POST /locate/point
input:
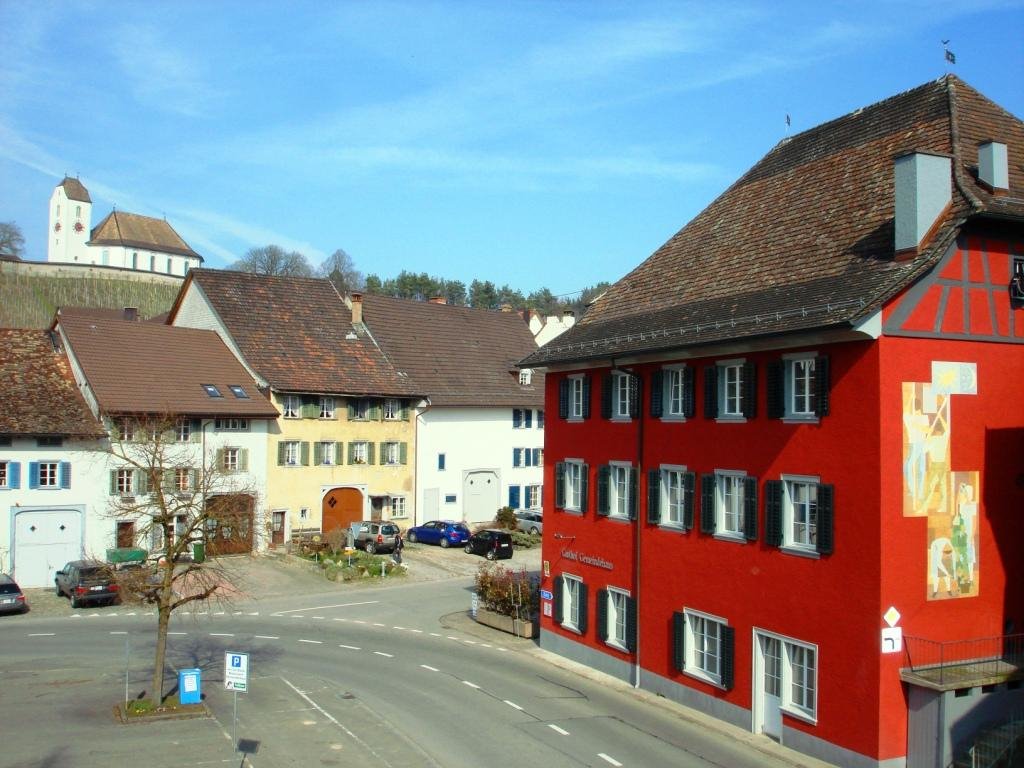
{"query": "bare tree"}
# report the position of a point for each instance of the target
(341, 270)
(172, 492)
(273, 260)
(11, 240)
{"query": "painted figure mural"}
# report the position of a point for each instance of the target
(949, 499)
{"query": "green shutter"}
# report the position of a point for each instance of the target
(657, 393)
(376, 411)
(403, 453)
(607, 381)
(822, 384)
(194, 480)
(633, 387)
(707, 504)
(556, 600)
(654, 496)
(584, 487)
(351, 409)
(318, 454)
(775, 378)
(195, 431)
(634, 493)
(711, 392)
(688, 399)
(310, 408)
(404, 410)
(560, 484)
(688, 500)
(383, 452)
(679, 639)
(602, 615)
(563, 399)
(339, 456)
(141, 482)
(304, 453)
(282, 450)
(603, 477)
(773, 513)
(825, 519)
(370, 458)
(749, 390)
(351, 453)
(750, 508)
(631, 624)
(113, 482)
(586, 396)
(167, 483)
(728, 656)
(582, 626)
(243, 459)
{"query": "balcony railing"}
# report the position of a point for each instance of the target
(963, 663)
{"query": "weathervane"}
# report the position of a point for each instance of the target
(950, 56)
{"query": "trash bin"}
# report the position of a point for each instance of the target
(198, 551)
(190, 688)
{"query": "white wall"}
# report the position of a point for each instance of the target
(68, 244)
(471, 439)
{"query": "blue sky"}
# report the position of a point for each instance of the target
(539, 144)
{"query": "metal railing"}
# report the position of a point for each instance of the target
(949, 662)
(1001, 746)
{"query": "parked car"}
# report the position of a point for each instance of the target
(530, 521)
(87, 581)
(492, 544)
(375, 537)
(12, 599)
(443, 532)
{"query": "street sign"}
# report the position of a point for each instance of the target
(236, 671)
(545, 595)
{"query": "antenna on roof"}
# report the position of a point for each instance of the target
(950, 56)
(789, 122)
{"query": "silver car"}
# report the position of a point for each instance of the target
(375, 537)
(530, 521)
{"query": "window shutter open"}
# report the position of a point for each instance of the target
(33, 475)
(679, 640)
(749, 390)
(633, 382)
(318, 454)
(773, 513)
(688, 483)
(822, 385)
(657, 393)
(193, 479)
(631, 624)
(351, 410)
(602, 615)
(304, 453)
(281, 452)
(606, 395)
(707, 504)
(65, 474)
(403, 453)
(14, 474)
(711, 392)
(517, 457)
(351, 453)
(528, 418)
(654, 496)
(776, 381)
(517, 418)
(586, 396)
(582, 625)
(376, 410)
(310, 407)
(403, 410)
(584, 487)
(634, 493)
(113, 482)
(556, 600)
(560, 485)
(688, 399)
(243, 459)
(370, 457)
(536, 457)
(728, 656)
(195, 431)
(563, 399)
(603, 476)
(219, 459)
(513, 496)
(168, 481)
(141, 484)
(750, 508)
(825, 519)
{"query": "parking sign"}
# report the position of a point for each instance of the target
(236, 671)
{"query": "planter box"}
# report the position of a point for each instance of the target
(507, 623)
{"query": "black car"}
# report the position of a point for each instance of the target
(86, 581)
(492, 544)
(12, 599)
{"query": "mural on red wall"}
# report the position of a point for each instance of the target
(949, 499)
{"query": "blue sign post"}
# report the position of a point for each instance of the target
(190, 687)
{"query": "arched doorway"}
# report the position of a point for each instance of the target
(340, 508)
(480, 495)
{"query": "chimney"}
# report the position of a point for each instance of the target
(437, 300)
(923, 190)
(131, 314)
(506, 307)
(994, 167)
(568, 318)
(357, 308)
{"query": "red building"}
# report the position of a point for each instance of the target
(787, 450)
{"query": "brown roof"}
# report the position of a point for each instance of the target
(457, 355)
(40, 394)
(75, 190)
(158, 369)
(132, 230)
(295, 332)
(805, 238)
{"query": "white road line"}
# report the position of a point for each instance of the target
(322, 607)
(92, 616)
(359, 621)
(611, 760)
(296, 617)
(434, 634)
(378, 624)
(266, 637)
(452, 638)
(132, 613)
(222, 634)
(471, 685)
(469, 642)
(313, 642)
(177, 633)
(237, 613)
(513, 705)
(341, 619)
(254, 613)
(351, 647)
(385, 655)
(432, 669)
(119, 633)
(218, 613)
(202, 613)
(399, 628)
(556, 729)
(41, 634)
(319, 618)
(75, 616)
(417, 631)
(110, 614)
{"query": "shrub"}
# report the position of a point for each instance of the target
(331, 572)
(523, 540)
(509, 593)
(506, 518)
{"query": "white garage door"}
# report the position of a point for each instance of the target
(480, 496)
(44, 540)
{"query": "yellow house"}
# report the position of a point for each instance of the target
(343, 446)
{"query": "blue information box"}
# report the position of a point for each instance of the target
(190, 688)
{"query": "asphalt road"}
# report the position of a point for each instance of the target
(395, 676)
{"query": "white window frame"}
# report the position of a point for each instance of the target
(392, 409)
(620, 396)
(790, 505)
(799, 384)
(4, 474)
(729, 504)
(292, 453)
(52, 474)
(619, 489)
(229, 424)
(795, 675)
(525, 377)
(673, 390)
(398, 507)
(668, 472)
(291, 407)
(328, 453)
(327, 407)
(571, 586)
(576, 397)
(183, 430)
(532, 496)
(573, 485)
(231, 458)
(697, 648)
(182, 479)
(616, 612)
(360, 451)
(391, 453)
(730, 389)
(125, 482)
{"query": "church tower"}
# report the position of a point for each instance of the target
(70, 223)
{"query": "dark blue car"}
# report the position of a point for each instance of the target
(447, 533)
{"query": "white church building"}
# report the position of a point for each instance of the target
(125, 240)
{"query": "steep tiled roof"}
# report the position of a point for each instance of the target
(134, 367)
(75, 190)
(132, 230)
(295, 332)
(39, 392)
(805, 238)
(457, 355)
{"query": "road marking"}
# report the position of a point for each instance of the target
(314, 642)
(471, 685)
(513, 705)
(222, 634)
(351, 647)
(296, 617)
(41, 634)
(611, 760)
(92, 616)
(254, 613)
(218, 613)
(359, 621)
(556, 729)
(469, 642)
(75, 616)
(202, 613)
(385, 655)
(177, 633)
(110, 614)
(132, 613)
(432, 669)
(452, 638)
(417, 631)
(319, 618)
(485, 645)
(341, 619)
(363, 745)
(434, 634)
(378, 624)
(266, 637)
(402, 629)
(322, 607)
(119, 633)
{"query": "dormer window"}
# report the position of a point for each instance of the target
(211, 390)
(238, 392)
(525, 377)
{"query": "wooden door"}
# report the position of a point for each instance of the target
(277, 529)
(125, 535)
(341, 507)
(229, 524)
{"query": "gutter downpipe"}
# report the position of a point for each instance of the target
(639, 524)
